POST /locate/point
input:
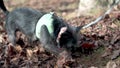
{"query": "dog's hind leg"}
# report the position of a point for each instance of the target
(48, 42)
(11, 37)
(11, 33)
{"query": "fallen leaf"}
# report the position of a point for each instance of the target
(93, 67)
(18, 48)
(63, 58)
(29, 53)
(113, 25)
(108, 51)
(116, 53)
(14, 59)
(111, 64)
(1, 39)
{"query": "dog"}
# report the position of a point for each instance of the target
(54, 35)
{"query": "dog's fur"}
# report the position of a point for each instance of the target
(25, 20)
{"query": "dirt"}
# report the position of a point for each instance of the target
(100, 43)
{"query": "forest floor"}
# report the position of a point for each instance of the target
(101, 42)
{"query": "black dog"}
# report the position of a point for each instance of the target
(26, 19)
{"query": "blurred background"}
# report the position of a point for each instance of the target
(101, 39)
(61, 7)
(65, 8)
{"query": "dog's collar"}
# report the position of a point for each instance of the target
(45, 20)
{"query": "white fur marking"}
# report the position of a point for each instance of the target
(62, 30)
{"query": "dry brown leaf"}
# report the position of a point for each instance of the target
(115, 38)
(66, 66)
(64, 57)
(42, 49)
(93, 67)
(111, 64)
(113, 25)
(18, 48)
(5, 38)
(118, 62)
(1, 39)
(116, 53)
(35, 49)
(108, 51)
(29, 53)
(14, 59)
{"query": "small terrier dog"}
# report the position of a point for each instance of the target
(52, 31)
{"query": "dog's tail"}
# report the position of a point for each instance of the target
(2, 6)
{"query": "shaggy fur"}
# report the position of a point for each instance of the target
(25, 20)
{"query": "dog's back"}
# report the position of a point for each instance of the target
(24, 19)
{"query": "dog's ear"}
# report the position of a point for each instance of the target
(75, 29)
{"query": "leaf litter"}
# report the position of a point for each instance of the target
(101, 41)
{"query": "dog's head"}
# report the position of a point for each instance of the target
(65, 34)
(68, 37)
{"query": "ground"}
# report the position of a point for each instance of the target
(100, 43)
